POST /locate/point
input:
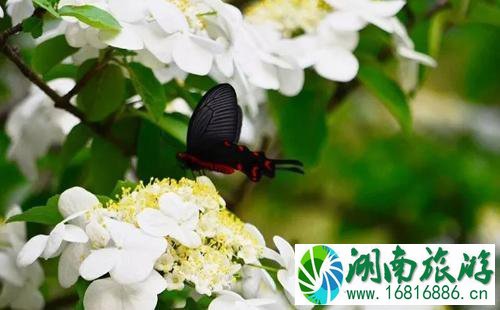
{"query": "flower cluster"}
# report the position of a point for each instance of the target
(268, 47)
(164, 235)
(19, 284)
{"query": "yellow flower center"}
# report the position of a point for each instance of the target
(291, 17)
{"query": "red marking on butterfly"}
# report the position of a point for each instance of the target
(212, 140)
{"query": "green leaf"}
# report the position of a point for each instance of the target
(389, 93)
(61, 71)
(81, 287)
(301, 120)
(92, 16)
(50, 53)
(34, 26)
(48, 214)
(103, 94)
(78, 137)
(149, 88)
(156, 154)
(48, 6)
(107, 166)
(482, 12)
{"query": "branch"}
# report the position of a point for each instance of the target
(438, 7)
(342, 91)
(60, 102)
(89, 75)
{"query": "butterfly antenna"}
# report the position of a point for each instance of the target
(292, 162)
(292, 169)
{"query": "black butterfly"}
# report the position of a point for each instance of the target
(212, 140)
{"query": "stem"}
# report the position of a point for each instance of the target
(268, 268)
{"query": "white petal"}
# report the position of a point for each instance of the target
(287, 281)
(286, 250)
(225, 300)
(158, 44)
(54, 242)
(155, 283)
(155, 222)
(127, 38)
(69, 263)
(384, 8)
(98, 263)
(74, 233)
(132, 267)
(337, 64)
(108, 294)
(291, 81)
(28, 298)
(170, 204)
(256, 233)
(273, 255)
(188, 238)
(345, 21)
(418, 57)
(130, 11)
(75, 36)
(20, 10)
(35, 275)
(32, 250)
(170, 18)
(262, 75)
(9, 271)
(16, 231)
(208, 44)
(381, 22)
(75, 200)
(98, 235)
(192, 58)
(8, 293)
(225, 64)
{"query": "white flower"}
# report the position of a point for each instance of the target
(35, 125)
(231, 300)
(354, 15)
(19, 10)
(175, 218)
(286, 258)
(19, 285)
(1, 12)
(109, 294)
(77, 200)
(406, 47)
(192, 52)
(48, 246)
(130, 260)
(12, 234)
(256, 282)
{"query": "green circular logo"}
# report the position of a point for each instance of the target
(320, 274)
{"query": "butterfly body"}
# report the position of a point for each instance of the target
(212, 141)
(227, 158)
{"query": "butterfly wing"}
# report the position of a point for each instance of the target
(217, 118)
